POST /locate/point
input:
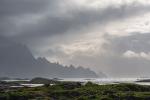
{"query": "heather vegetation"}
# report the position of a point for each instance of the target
(78, 91)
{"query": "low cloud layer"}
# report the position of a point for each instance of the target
(103, 35)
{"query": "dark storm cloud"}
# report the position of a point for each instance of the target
(75, 18)
(138, 42)
(20, 7)
(9, 9)
(82, 18)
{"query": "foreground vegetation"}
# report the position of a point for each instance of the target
(76, 91)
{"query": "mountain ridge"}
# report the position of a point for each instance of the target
(16, 60)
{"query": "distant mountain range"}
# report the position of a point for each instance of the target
(16, 60)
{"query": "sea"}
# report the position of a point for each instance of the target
(105, 81)
(100, 81)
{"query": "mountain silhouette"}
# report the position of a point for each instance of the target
(16, 60)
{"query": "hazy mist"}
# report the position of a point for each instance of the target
(112, 36)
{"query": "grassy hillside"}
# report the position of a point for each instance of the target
(76, 91)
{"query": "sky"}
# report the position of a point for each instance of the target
(112, 36)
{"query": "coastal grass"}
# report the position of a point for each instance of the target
(76, 91)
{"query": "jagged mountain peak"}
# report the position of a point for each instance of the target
(16, 60)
